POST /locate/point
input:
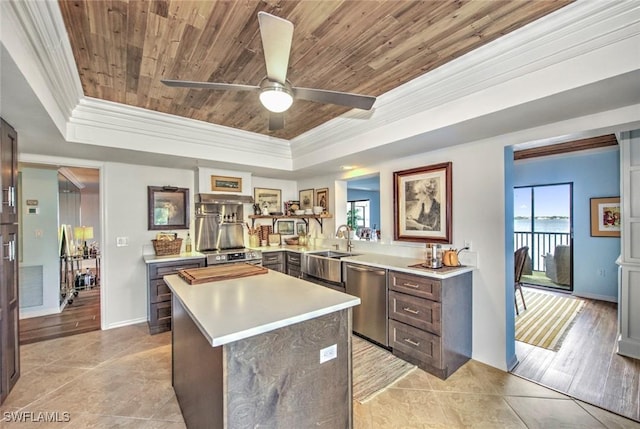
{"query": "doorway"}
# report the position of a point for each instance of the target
(543, 222)
(60, 262)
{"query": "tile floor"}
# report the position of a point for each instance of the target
(121, 378)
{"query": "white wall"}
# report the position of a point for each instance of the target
(40, 236)
(125, 187)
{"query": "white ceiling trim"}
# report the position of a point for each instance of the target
(572, 31)
(568, 33)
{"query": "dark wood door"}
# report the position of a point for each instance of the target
(8, 172)
(9, 325)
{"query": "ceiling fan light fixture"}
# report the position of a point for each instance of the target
(275, 97)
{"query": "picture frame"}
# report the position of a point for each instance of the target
(272, 197)
(322, 198)
(301, 228)
(168, 207)
(226, 184)
(306, 199)
(422, 199)
(606, 217)
(286, 227)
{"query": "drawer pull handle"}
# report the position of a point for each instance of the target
(413, 285)
(410, 341)
(409, 310)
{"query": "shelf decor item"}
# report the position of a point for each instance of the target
(168, 207)
(271, 197)
(286, 227)
(422, 201)
(306, 199)
(605, 217)
(322, 198)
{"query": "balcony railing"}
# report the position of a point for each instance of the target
(540, 243)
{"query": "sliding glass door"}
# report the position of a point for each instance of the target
(543, 222)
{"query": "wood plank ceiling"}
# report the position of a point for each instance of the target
(123, 48)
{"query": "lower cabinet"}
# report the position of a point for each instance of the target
(274, 260)
(430, 321)
(294, 264)
(159, 311)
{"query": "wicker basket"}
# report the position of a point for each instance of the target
(167, 247)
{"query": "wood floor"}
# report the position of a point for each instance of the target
(587, 367)
(81, 316)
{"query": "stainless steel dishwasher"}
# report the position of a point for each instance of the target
(370, 285)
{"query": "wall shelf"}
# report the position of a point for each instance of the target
(305, 218)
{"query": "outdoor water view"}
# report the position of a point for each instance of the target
(542, 222)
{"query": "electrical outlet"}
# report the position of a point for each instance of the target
(468, 244)
(122, 241)
(328, 353)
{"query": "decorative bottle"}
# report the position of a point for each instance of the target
(187, 243)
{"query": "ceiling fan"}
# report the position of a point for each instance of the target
(276, 93)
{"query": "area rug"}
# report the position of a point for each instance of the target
(547, 319)
(374, 369)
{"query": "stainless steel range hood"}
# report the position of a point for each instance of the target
(224, 199)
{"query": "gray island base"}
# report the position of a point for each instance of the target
(273, 379)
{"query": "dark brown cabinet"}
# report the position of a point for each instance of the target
(430, 321)
(274, 261)
(9, 306)
(159, 311)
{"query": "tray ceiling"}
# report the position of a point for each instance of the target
(123, 48)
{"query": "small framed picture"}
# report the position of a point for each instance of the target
(286, 227)
(168, 208)
(306, 199)
(271, 197)
(322, 198)
(226, 184)
(301, 228)
(605, 217)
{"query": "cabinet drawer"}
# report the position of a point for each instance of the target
(294, 272)
(274, 267)
(423, 287)
(272, 258)
(417, 344)
(159, 291)
(157, 271)
(418, 312)
(293, 259)
(160, 314)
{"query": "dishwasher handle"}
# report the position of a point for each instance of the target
(366, 270)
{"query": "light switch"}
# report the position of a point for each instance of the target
(122, 241)
(38, 233)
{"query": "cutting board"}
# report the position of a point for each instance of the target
(215, 273)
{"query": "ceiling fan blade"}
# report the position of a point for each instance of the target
(276, 34)
(364, 102)
(276, 121)
(209, 85)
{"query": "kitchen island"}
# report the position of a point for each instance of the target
(263, 351)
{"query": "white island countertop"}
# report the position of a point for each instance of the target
(230, 310)
(402, 264)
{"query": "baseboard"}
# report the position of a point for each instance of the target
(121, 324)
(596, 296)
(512, 363)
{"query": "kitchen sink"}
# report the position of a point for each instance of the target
(332, 254)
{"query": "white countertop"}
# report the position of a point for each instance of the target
(230, 310)
(151, 259)
(397, 263)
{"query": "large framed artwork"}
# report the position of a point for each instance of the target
(168, 207)
(271, 197)
(422, 201)
(226, 184)
(605, 217)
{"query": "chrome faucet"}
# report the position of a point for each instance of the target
(349, 244)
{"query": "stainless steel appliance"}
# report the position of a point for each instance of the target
(370, 285)
(231, 256)
(219, 221)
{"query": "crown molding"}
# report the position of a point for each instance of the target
(575, 30)
(115, 125)
(34, 34)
